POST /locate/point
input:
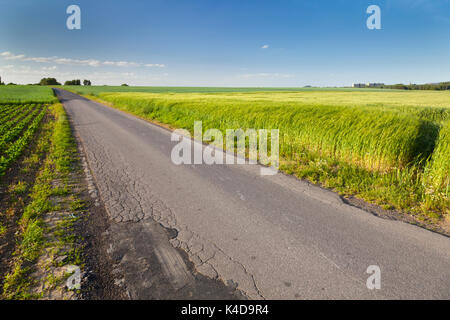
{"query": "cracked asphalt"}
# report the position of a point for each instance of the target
(225, 232)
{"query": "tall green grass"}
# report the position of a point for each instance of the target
(354, 143)
(438, 170)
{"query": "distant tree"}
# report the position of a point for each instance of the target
(11, 84)
(73, 83)
(49, 82)
(87, 82)
(124, 85)
(427, 86)
(1, 83)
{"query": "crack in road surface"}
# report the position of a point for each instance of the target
(224, 231)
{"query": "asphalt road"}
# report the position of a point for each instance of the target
(271, 237)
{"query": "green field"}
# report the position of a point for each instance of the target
(100, 89)
(388, 147)
(26, 94)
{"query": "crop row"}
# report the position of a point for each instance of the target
(15, 149)
(15, 132)
(12, 118)
(6, 109)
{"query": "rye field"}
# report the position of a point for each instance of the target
(388, 147)
(95, 90)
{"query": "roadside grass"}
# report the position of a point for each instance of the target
(19, 188)
(36, 237)
(438, 171)
(26, 94)
(375, 145)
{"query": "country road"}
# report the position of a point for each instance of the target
(175, 228)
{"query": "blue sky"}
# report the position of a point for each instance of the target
(226, 43)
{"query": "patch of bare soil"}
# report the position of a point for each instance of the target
(441, 227)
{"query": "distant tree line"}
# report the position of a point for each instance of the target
(54, 82)
(427, 86)
(77, 83)
(49, 82)
(72, 83)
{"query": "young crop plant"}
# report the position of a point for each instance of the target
(17, 135)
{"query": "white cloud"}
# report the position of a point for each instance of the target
(28, 74)
(121, 64)
(68, 61)
(52, 68)
(27, 69)
(154, 65)
(265, 75)
(266, 46)
(9, 56)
